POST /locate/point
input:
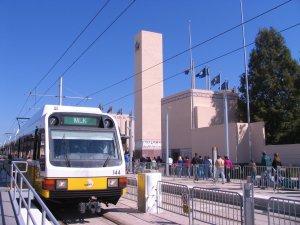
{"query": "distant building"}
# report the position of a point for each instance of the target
(123, 121)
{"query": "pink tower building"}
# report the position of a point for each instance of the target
(148, 70)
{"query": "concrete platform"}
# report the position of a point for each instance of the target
(125, 212)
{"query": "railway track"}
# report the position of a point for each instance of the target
(68, 214)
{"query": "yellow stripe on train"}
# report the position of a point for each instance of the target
(87, 183)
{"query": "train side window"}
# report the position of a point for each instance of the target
(41, 145)
(40, 153)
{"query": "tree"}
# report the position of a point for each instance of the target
(274, 89)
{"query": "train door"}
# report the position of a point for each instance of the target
(39, 156)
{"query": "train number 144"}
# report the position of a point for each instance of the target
(116, 172)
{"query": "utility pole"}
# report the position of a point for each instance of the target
(60, 95)
(60, 91)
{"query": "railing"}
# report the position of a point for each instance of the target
(263, 177)
(287, 178)
(22, 196)
(283, 211)
(216, 206)
(131, 189)
(173, 198)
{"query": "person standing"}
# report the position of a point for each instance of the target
(276, 164)
(142, 163)
(206, 165)
(267, 174)
(210, 174)
(253, 171)
(228, 167)
(219, 164)
(179, 165)
(195, 162)
(187, 166)
(201, 167)
(126, 157)
(170, 163)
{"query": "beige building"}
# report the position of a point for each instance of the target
(206, 107)
(208, 112)
(126, 127)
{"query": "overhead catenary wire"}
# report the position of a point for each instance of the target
(60, 58)
(180, 53)
(75, 61)
(186, 50)
(86, 49)
(199, 65)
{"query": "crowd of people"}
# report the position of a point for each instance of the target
(202, 168)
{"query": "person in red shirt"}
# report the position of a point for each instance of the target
(187, 166)
(228, 166)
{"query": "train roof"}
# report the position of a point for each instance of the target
(46, 109)
(62, 108)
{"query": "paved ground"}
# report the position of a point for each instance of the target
(125, 212)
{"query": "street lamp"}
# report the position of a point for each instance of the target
(167, 140)
(130, 142)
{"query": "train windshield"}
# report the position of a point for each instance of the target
(83, 148)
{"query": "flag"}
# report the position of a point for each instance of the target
(120, 111)
(216, 80)
(224, 86)
(203, 73)
(187, 71)
(109, 110)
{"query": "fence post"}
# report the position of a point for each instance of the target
(248, 204)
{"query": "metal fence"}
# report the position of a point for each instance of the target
(173, 198)
(262, 177)
(283, 178)
(22, 197)
(131, 189)
(283, 211)
(216, 206)
(287, 178)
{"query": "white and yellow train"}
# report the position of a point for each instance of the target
(74, 155)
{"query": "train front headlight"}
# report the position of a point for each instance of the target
(112, 182)
(61, 184)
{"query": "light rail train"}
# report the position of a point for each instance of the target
(74, 156)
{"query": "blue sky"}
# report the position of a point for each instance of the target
(34, 34)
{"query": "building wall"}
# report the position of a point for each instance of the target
(179, 110)
(208, 111)
(204, 139)
(289, 154)
(148, 71)
(209, 108)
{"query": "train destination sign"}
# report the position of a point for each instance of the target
(76, 120)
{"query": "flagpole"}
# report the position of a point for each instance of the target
(191, 59)
(226, 123)
(247, 86)
(208, 79)
(220, 84)
(192, 74)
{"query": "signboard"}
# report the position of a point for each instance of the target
(83, 121)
